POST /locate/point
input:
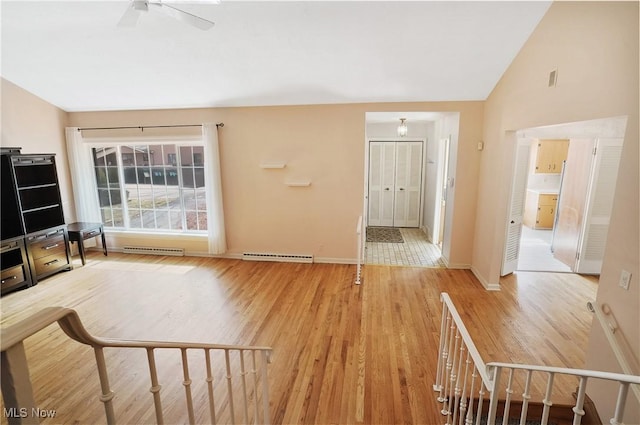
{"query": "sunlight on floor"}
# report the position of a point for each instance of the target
(535, 252)
(137, 266)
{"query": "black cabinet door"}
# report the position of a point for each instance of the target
(10, 216)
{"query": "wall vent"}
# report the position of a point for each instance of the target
(177, 252)
(553, 78)
(267, 256)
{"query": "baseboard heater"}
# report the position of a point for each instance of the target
(177, 252)
(267, 256)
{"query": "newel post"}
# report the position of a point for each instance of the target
(17, 391)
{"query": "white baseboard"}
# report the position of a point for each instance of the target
(238, 256)
(329, 260)
(488, 286)
(186, 253)
(459, 266)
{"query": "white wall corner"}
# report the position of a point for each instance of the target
(488, 286)
(425, 229)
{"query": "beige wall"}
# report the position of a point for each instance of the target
(37, 127)
(322, 143)
(594, 46)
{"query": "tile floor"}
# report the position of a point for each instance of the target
(535, 252)
(415, 251)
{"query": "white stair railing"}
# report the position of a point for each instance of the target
(360, 244)
(18, 394)
(465, 383)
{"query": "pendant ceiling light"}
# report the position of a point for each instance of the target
(402, 128)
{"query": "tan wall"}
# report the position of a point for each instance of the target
(322, 143)
(37, 127)
(594, 46)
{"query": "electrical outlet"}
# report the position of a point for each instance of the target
(625, 279)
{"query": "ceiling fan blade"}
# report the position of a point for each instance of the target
(181, 15)
(130, 16)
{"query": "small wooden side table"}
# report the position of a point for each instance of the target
(80, 231)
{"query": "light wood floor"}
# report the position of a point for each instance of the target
(342, 353)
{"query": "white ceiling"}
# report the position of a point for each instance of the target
(73, 54)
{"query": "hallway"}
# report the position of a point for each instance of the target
(415, 251)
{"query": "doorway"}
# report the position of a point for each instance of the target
(578, 198)
(444, 146)
(379, 207)
(545, 171)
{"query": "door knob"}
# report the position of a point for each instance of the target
(386, 188)
(402, 188)
(513, 222)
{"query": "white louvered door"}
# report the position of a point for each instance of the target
(516, 207)
(395, 183)
(408, 184)
(381, 183)
(599, 203)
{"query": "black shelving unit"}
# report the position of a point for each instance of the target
(36, 183)
(32, 211)
(15, 273)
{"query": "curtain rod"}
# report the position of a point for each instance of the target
(142, 127)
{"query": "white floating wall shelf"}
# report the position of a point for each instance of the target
(273, 165)
(298, 183)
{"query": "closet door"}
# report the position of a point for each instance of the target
(599, 203)
(381, 183)
(516, 207)
(408, 178)
(572, 201)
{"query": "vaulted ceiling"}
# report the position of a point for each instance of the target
(75, 56)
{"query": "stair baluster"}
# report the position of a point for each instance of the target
(460, 407)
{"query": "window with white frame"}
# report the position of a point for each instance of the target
(153, 187)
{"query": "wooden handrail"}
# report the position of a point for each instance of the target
(609, 332)
(16, 384)
(71, 324)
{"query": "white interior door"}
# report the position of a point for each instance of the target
(516, 207)
(572, 201)
(599, 203)
(381, 183)
(375, 184)
(441, 190)
(395, 184)
(408, 184)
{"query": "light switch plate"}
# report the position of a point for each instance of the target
(625, 279)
